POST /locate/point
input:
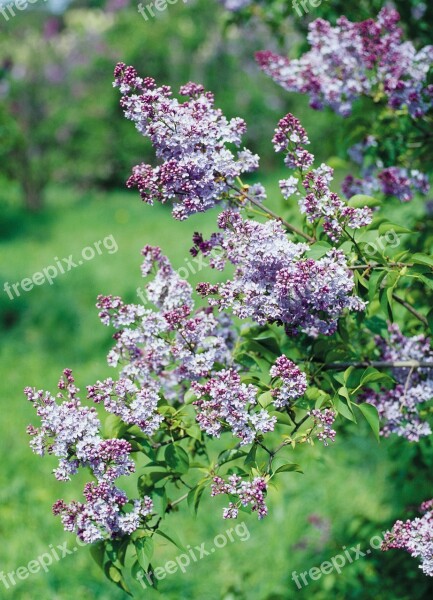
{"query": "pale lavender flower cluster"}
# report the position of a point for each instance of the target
(224, 402)
(323, 421)
(319, 203)
(249, 493)
(71, 432)
(161, 350)
(190, 138)
(293, 382)
(355, 59)
(274, 283)
(416, 537)
(398, 407)
(103, 513)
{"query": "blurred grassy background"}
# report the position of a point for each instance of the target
(80, 151)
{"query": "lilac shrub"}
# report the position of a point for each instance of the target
(207, 396)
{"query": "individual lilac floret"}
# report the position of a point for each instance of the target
(274, 283)
(160, 351)
(224, 402)
(249, 493)
(416, 537)
(294, 382)
(103, 515)
(355, 59)
(323, 421)
(399, 406)
(190, 138)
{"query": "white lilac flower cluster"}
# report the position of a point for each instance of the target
(416, 537)
(160, 351)
(398, 407)
(224, 402)
(355, 59)
(71, 432)
(274, 283)
(319, 203)
(392, 181)
(293, 382)
(249, 493)
(190, 138)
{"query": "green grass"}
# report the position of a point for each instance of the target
(56, 326)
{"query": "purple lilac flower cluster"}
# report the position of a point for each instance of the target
(392, 181)
(323, 421)
(294, 382)
(319, 203)
(161, 350)
(225, 402)
(416, 537)
(398, 407)
(190, 139)
(274, 283)
(355, 59)
(250, 493)
(71, 432)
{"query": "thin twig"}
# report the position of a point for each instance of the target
(411, 309)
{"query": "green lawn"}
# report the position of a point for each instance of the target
(56, 326)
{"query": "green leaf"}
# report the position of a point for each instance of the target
(384, 227)
(144, 548)
(361, 200)
(422, 259)
(189, 397)
(97, 552)
(318, 250)
(371, 374)
(266, 399)
(172, 538)
(115, 575)
(250, 459)
(289, 467)
(194, 496)
(176, 458)
(344, 409)
(232, 454)
(372, 417)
